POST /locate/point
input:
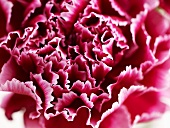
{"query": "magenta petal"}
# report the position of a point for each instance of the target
(126, 79)
(49, 75)
(61, 122)
(85, 63)
(133, 7)
(81, 87)
(57, 65)
(45, 91)
(71, 16)
(4, 55)
(31, 123)
(5, 10)
(100, 68)
(118, 118)
(98, 102)
(86, 101)
(12, 70)
(145, 100)
(63, 78)
(75, 74)
(137, 23)
(58, 91)
(21, 11)
(162, 46)
(67, 99)
(46, 50)
(31, 63)
(106, 8)
(141, 52)
(26, 93)
(11, 104)
(157, 75)
(17, 16)
(78, 121)
(31, 5)
(156, 24)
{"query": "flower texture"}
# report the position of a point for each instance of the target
(84, 63)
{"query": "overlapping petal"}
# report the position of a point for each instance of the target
(106, 61)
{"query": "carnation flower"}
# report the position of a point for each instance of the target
(84, 63)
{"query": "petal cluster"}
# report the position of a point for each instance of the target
(107, 61)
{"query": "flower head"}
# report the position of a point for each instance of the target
(86, 63)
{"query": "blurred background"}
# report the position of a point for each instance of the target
(17, 121)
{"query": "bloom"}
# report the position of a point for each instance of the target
(106, 61)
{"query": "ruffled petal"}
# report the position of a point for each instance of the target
(44, 90)
(71, 16)
(132, 8)
(157, 75)
(12, 70)
(27, 95)
(147, 100)
(4, 55)
(5, 13)
(118, 118)
(161, 48)
(77, 122)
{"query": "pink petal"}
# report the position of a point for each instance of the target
(156, 24)
(21, 11)
(44, 90)
(119, 118)
(100, 68)
(31, 62)
(67, 99)
(132, 7)
(106, 8)
(75, 74)
(157, 75)
(81, 87)
(126, 79)
(49, 75)
(5, 10)
(31, 123)
(140, 100)
(78, 121)
(96, 111)
(12, 70)
(46, 50)
(162, 46)
(4, 55)
(71, 16)
(57, 64)
(27, 95)
(63, 78)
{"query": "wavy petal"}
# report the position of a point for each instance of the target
(147, 100)
(44, 90)
(76, 123)
(27, 95)
(119, 118)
